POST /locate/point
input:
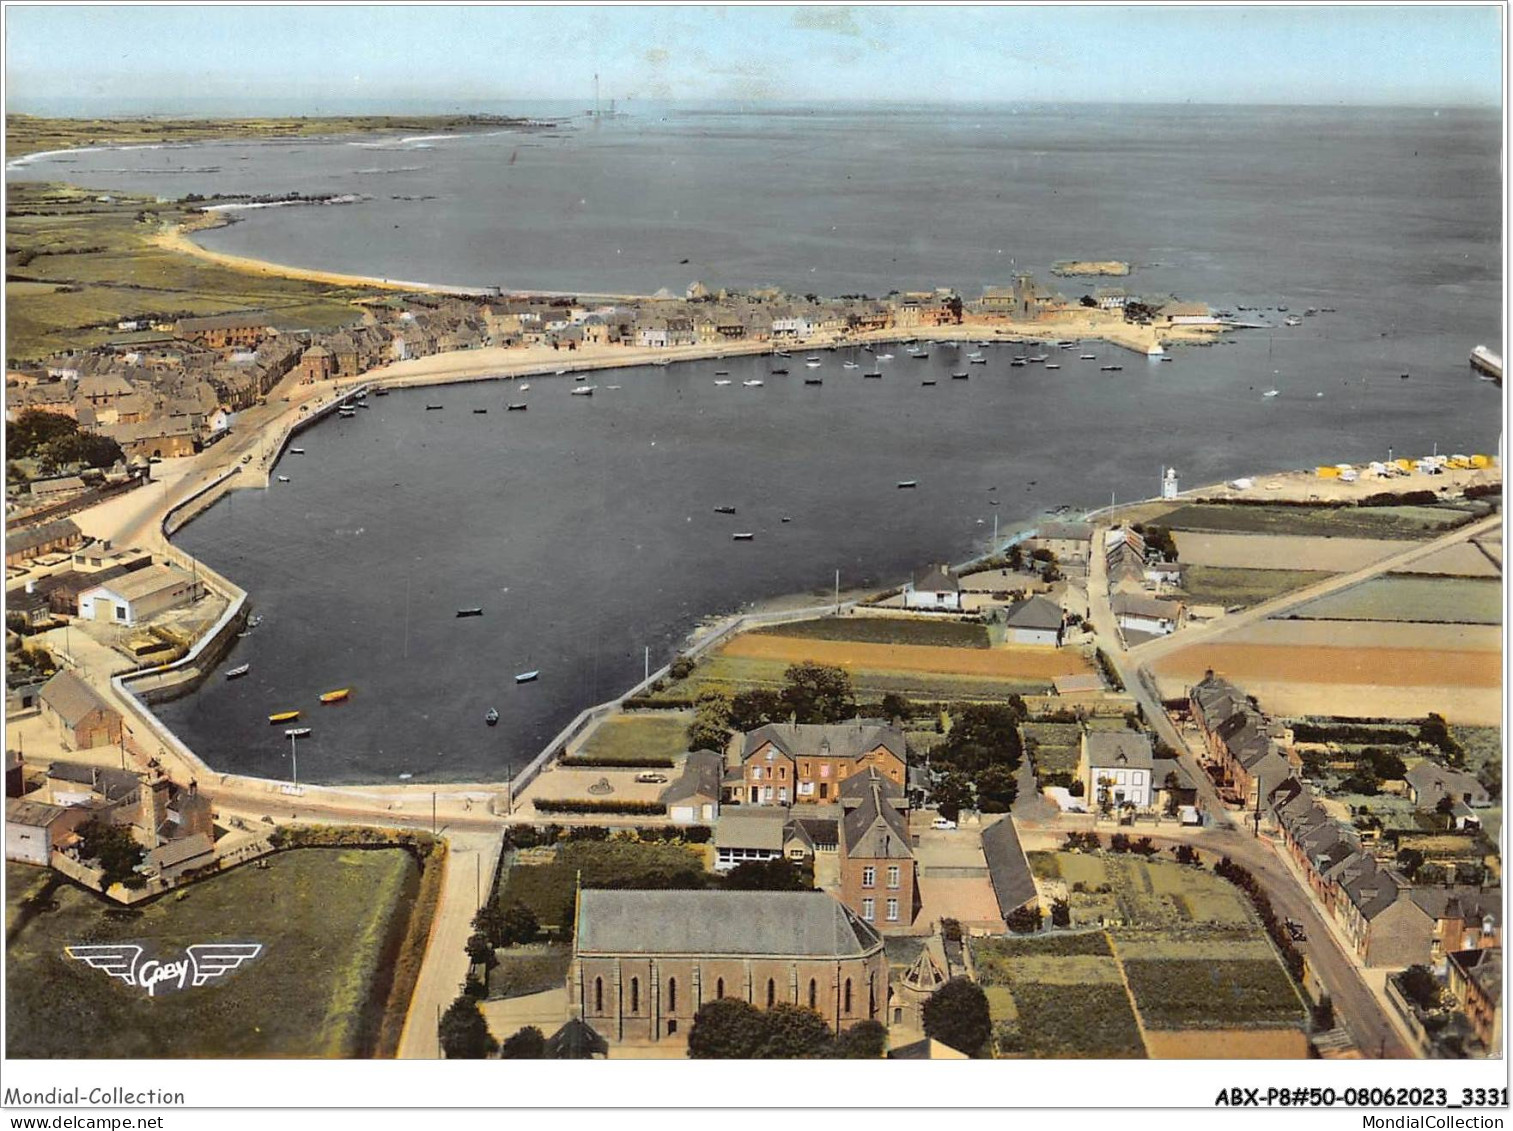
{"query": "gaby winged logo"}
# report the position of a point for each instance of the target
(203, 963)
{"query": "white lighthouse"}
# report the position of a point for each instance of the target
(1169, 485)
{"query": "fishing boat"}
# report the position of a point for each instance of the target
(363, 403)
(722, 373)
(492, 717)
(1088, 356)
(238, 671)
(744, 536)
(296, 451)
(473, 612)
(526, 677)
(928, 381)
(435, 407)
(778, 373)
(283, 717)
(780, 353)
(960, 376)
(336, 696)
(754, 383)
(814, 380)
(812, 358)
(724, 510)
(611, 386)
(879, 373)
(904, 484)
(1293, 320)
(1017, 363)
(785, 518)
(297, 732)
(580, 377)
(346, 413)
(380, 392)
(480, 411)
(405, 777)
(662, 362)
(283, 479)
(722, 382)
(584, 391)
(1038, 357)
(515, 407)
(1110, 368)
(920, 356)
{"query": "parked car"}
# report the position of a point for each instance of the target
(942, 823)
(651, 777)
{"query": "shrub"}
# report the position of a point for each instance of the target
(957, 1015)
(593, 805)
(579, 761)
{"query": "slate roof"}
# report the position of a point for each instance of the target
(36, 814)
(1035, 612)
(147, 581)
(1104, 748)
(826, 740)
(71, 698)
(1470, 903)
(858, 786)
(577, 1040)
(178, 851)
(760, 826)
(1008, 869)
(1139, 605)
(822, 832)
(1484, 967)
(21, 541)
(875, 830)
(787, 923)
(936, 579)
(1431, 781)
(703, 771)
(110, 783)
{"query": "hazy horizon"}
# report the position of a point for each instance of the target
(319, 61)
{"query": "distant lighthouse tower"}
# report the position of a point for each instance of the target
(1169, 485)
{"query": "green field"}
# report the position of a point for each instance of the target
(734, 674)
(1219, 585)
(76, 265)
(330, 921)
(884, 630)
(634, 739)
(1174, 993)
(1340, 522)
(1435, 600)
(529, 970)
(549, 890)
(1056, 995)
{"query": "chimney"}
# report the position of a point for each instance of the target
(31, 585)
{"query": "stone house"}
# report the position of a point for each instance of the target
(81, 718)
(782, 763)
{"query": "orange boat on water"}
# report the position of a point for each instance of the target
(336, 696)
(283, 717)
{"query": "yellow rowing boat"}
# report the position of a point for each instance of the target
(283, 717)
(336, 696)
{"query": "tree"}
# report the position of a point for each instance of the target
(480, 950)
(996, 789)
(1015, 558)
(957, 1015)
(1419, 986)
(1323, 1015)
(727, 1028)
(520, 926)
(528, 1043)
(866, 1040)
(768, 875)
(681, 667)
(710, 729)
(1061, 913)
(793, 1032)
(758, 707)
(1410, 860)
(1025, 920)
(1187, 854)
(817, 693)
(1088, 301)
(896, 708)
(464, 1033)
(951, 794)
(983, 734)
(114, 849)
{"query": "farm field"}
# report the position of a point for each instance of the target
(1464, 559)
(328, 919)
(1346, 521)
(1225, 585)
(1002, 663)
(636, 738)
(1183, 993)
(1402, 598)
(1292, 553)
(1057, 996)
(883, 630)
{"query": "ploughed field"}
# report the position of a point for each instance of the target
(1443, 600)
(328, 920)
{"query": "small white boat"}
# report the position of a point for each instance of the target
(1052, 365)
(283, 479)
(812, 364)
(752, 384)
(611, 386)
(584, 391)
(238, 671)
(253, 622)
(812, 358)
(405, 777)
(722, 382)
(662, 361)
(576, 376)
(849, 365)
(745, 536)
(1089, 356)
(906, 483)
(1270, 393)
(296, 451)
(526, 677)
(492, 717)
(560, 372)
(298, 732)
(525, 387)
(1293, 321)
(885, 357)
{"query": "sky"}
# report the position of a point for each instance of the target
(330, 59)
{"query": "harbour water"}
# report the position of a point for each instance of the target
(585, 527)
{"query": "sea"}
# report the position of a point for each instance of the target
(585, 528)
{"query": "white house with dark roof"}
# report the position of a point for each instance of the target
(1136, 612)
(1119, 763)
(694, 797)
(1036, 620)
(934, 587)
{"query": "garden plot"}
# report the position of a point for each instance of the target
(1464, 559)
(1181, 993)
(1220, 585)
(1283, 551)
(1402, 598)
